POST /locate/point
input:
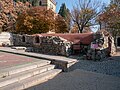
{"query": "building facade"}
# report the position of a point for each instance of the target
(46, 4)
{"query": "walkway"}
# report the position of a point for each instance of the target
(38, 55)
(9, 60)
(80, 80)
(108, 66)
(89, 75)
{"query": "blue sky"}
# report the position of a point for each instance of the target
(70, 3)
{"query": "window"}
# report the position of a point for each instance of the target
(23, 38)
(32, 3)
(40, 3)
(37, 40)
(51, 6)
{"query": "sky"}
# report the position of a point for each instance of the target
(70, 3)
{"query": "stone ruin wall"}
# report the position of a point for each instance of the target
(17, 40)
(53, 45)
(58, 46)
(106, 46)
(108, 42)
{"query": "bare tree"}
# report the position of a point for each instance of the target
(85, 13)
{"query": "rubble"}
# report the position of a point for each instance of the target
(105, 46)
(53, 45)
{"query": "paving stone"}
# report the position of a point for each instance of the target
(37, 79)
(23, 75)
(80, 80)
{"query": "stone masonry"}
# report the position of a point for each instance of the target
(105, 46)
(43, 44)
(61, 44)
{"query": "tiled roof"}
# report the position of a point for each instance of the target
(84, 38)
(53, 1)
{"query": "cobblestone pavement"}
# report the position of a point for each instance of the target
(80, 80)
(84, 76)
(8, 60)
(109, 66)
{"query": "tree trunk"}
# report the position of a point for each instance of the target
(80, 29)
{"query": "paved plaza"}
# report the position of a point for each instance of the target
(108, 66)
(9, 60)
(80, 80)
(87, 75)
(84, 75)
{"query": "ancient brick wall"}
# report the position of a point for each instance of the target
(18, 40)
(46, 44)
(52, 45)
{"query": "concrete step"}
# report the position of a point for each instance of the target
(24, 75)
(20, 68)
(37, 79)
(19, 48)
(60, 61)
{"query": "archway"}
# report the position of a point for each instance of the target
(118, 41)
(40, 3)
(23, 38)
(37, 40)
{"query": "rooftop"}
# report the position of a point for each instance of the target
(53, 1)
(76, 38)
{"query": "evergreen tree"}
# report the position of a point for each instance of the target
(65, 13)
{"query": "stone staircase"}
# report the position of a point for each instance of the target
(24, 76)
